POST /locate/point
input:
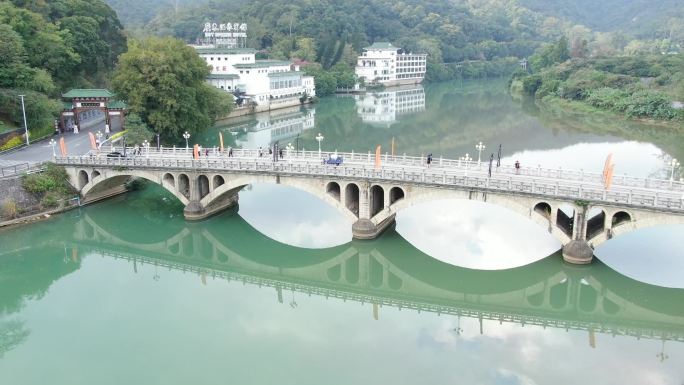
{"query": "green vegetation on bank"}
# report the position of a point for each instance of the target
(640, 86)
(46, 47)
(50, 186)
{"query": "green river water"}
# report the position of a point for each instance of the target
(128, 292)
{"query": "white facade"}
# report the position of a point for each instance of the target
(386, 64)
(385, 107)
(268, 83)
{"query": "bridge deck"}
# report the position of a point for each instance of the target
(563, 184)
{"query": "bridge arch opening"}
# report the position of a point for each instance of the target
(184, 185)
(596, 222)
(83, 179)
(217, 181)
(95, 174)
(203, 184)
(543, 209)
(377, 200)
(169, 179)
(351, 192)
(621, 217)
(565, 219)
(396, 194)
(333, 189)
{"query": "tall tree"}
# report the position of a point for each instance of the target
(163, 81)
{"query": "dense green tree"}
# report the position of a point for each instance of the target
(136, 130)
(163, 80)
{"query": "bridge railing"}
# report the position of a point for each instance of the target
(404, 170)
(410, 161)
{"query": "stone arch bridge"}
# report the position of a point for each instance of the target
(573, 206)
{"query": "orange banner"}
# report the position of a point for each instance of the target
(195, 151)
(93, 144)
(62, 147)
(378, 157)
(609, 177)
(221, 140)
(606, 166)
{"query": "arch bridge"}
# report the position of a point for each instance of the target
(573, 206)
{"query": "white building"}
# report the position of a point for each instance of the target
(386, 64)
(270, 84)
(385, 107)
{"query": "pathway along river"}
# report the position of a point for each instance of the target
(128, 292)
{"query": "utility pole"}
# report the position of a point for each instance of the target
(23, 110)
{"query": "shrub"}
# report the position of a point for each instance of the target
(12, 143)
(606, 98)
(531, 84)
(53, 179)
(9, 209)
(49, 200)
(649, 104)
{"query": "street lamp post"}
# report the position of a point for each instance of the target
(289, 149)
(99, 139)
(466, 159)
(23, 110)
(186, 135)
(674, 163)
(479, 147)
(52, 143)
(319, 138)
(146, 144)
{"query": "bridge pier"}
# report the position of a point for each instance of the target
(195, 210)
(366, 229)
(578, 251)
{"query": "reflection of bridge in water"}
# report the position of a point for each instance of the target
(390, 272)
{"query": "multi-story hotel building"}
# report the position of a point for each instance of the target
(386, 64)
(263, 84)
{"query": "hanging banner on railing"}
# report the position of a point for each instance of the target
(608, 171)
(93, 143)
(378, 156)
(195, 151)
(609, 176)
(606, 165)
(221, 141)
(62, 147)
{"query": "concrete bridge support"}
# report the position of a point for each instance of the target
(199, 187)
(578, 251)
(372, 200)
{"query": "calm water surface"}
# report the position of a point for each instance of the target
(128, 292)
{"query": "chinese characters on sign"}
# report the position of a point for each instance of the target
(231, 35)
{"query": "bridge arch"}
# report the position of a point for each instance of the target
(396, 194)
(317, 189)
(352, 195)
(112, 178)
(82, 179)
(333, 189)
(523, 206)
(377, 200)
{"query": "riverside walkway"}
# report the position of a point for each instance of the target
(371, 194)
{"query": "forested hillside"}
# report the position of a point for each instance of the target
(638, 18)
(46, 47)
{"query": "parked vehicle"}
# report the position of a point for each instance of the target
(333, 159)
